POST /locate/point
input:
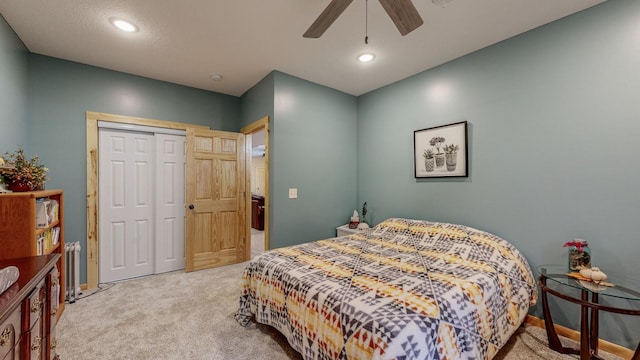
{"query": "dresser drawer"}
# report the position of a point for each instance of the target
(54, 298)
(14, 353)
(36, 304)
(10, 335)
(53, 344)
(36, 342)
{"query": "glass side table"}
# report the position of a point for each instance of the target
(553, 280)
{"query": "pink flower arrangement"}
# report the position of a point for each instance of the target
(578, 244)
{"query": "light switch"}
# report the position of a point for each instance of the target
(293, 193)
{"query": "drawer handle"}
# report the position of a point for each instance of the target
(35, 306)
(5, 338)
(35, 345)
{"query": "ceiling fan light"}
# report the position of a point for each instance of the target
(366, 57)
(123, 25)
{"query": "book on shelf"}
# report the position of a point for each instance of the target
(46, 212)
(40, 244)
(42, 212)
(55, 237)
(48, 239)
(53, 211)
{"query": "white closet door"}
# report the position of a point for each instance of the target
(126, 207)
(170, 206)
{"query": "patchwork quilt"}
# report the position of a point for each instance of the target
(405, 289)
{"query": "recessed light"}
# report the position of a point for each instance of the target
(366, 57)
(215, 77)
(123, 25)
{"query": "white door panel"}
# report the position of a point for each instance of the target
(116, 243)
(126, 204)
(170, 208)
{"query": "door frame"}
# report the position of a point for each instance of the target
(256, 126)
(92, 178)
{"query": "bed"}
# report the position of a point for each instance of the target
(404, 289)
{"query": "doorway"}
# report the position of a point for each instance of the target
(258, 133)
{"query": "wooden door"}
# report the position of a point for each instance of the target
(217, 217)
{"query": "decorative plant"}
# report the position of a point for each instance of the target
(19, 168)
(428, 154)
(364, 212)
(450, 149)
(579, 257)
(437, 142)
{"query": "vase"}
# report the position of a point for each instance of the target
(452, 160)
(579, 259)
(429, 164)
(439, 160)
(19, 186)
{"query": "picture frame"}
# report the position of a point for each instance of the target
(441, 151)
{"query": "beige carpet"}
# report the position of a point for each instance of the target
(190, 316)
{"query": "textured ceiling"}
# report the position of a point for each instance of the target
(186, 41)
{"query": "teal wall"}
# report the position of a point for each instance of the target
(312, 148)
(553, 142)
(62, 92)
(257, 102)
(14, 89)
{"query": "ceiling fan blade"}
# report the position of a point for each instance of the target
(404, 14)
(328, 16)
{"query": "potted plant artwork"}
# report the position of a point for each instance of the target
(429, 161)
(437, 143)
(21, 173)
(451, 155)
(433, 157)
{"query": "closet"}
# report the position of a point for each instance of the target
(142, 200)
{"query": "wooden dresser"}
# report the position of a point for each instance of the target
(22, 234)
(28, 309)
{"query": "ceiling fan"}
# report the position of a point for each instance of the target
(402, 12)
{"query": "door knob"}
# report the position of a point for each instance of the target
(191, 207)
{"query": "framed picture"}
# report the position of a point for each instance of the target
(441, 151)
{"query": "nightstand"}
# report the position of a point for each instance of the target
(553, 280)
(345, 231)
